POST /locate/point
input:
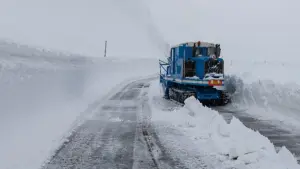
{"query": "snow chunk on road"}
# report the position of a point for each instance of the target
(233, 145)
(237, 141)
(286, 156)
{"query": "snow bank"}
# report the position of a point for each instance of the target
(232, 144)
(267, 89)
(44, 94)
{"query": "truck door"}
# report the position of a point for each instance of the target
(173, 60)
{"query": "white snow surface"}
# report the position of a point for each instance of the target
(193, 78)
(44, 95)
(267, 89)
(226, 145)
(210, 76)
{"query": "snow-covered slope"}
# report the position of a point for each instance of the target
(42, 95)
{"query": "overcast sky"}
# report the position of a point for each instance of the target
(78, 26)
(245, 29)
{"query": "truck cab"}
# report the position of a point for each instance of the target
(194, 69)
(196, 60)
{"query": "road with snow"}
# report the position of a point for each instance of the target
(120, 135)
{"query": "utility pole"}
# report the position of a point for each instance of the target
(105, 48)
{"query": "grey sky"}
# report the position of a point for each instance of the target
(73, 25)
(245, 29)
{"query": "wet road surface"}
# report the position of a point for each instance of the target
(119, 136)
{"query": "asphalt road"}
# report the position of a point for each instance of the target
(119, 136)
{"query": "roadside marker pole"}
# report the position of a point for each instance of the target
(105, 48)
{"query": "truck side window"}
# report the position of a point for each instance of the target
(211, 51)
(194, 50)
(198, 52)
(218, 50)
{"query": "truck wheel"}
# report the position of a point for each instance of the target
(167, 96)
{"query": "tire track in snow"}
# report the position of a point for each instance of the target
(106, 141)
(159, 154)
(118, 136)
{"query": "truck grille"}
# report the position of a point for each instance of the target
(214, 66)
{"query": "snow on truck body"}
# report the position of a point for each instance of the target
(194, 68)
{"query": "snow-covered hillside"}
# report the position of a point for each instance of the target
(44, 95)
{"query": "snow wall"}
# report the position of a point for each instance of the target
(43, 94)
(266, 89)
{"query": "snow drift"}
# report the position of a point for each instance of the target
(270, 95)
(232, 144)
(44, 94)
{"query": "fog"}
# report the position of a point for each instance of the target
(134, 28)
(75, 26)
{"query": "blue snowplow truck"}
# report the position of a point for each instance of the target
(194, 69)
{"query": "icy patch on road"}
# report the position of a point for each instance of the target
(232, 145)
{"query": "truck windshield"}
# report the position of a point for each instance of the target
(206, 51)
(211, 51)
(214, 51)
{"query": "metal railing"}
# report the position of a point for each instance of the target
(163, 70)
